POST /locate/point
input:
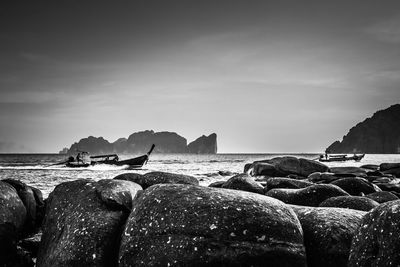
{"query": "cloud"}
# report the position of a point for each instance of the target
(387, 31)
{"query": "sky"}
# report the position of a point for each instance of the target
(266, 76)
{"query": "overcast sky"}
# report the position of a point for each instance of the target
(266, 76)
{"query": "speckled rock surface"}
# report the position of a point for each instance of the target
(299, 166)
(327, 234)
(152, 178)
(12, 209)
(377, 240)
(243, 182)
(217, 184)
(266, 169)
(309, 196)
(281, 182)
(382, 197)
(324, 178)
(83, 223)
(350, 202)
(356, 186)
(348, 170)
(130, 176)
(185, 225)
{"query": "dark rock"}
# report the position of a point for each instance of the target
(185, 225)
(298, 166)
(152, 178)
(373, 167)
(382, 197)
(388, 166)
(356, 186)
(389, 187)
(83, 223)
(204, 145)
(375, 174)
(131, 177)
(226, 173)
(27, 196)
(309, 196)
(217, 184)
(350, 202)
(376, 135)
(22, 259)
(280, 182)
(247, 167)
(266, 169)
(395, 172)
(377, 240)
(243, 182)
(31, 244)
(325, 177)
(355, 171)
(8, 242)
(12, 209)
(327, 234)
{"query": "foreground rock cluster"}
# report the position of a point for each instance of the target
(280, 212)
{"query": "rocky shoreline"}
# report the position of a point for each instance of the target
(285, 211)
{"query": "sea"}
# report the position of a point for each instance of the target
(38, 170)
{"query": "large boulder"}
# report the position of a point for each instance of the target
(382, 196)
(264, 169)
(298, 166)
(309, 196)
(327, 234)
(395, 172)
(12, 209)
(388, 166)
(152, 178)
(350, 202)
(356, 186)
(131, 176)
(377, 240)
(243, 182)
(348, 171)
(322, 178)
(186, 225)
(83, 222)
(281, 182)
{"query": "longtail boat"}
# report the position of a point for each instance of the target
(331, 158)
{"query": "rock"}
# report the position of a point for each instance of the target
(356, 186)
(280, 182)
(12, 209)
(382, 197)
(309, 196)
(266, 169)
(204, 145)
(348, 171)
(375, 174)
(298, 166)
(373, 167)
(377, 240)
(21, 259)
(388, 166)
(395, 172)
(350, 202)
(27, 196)
(186, 225)
(217, 184)
(152, 178)
(389, 187)
(247, 168)
(226, 173)
(83, 222)
(132, 177)
(327, 234)
(245, 183)
(31, 244)
(325, 177)
(8, 242)
(376, 135)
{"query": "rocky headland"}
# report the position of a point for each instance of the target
(140, 143)
(284, 211)
(379, 134)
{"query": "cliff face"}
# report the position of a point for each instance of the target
(140, 143)
(379, 134)
(204, 145)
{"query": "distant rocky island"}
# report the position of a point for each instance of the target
(379, 134)
(140, 142)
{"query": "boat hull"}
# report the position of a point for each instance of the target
(342, 158)
(133, 163)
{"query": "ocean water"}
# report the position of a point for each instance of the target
(35, 169)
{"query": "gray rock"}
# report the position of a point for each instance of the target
(280, 182)
(377, 240)
(373, 167)
(356, 186)
(153, 178)
(310, 196)
(243, 182)
(382, 197)
(185, 225)
(350, 202)
(12, 209)
(298, 166)
(395, 172)
(327, 234)
(325, 177)
(355, 171)
(265, 169)
(388, 166)
(83, 223)
(217, 184)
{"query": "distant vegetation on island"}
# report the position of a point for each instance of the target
(140, 142)
(379, 134)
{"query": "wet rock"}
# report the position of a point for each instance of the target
(388, 166)
(185, 225)
(325, 177)
(350, 202)
(395, 172)
(83, 222)
(356, 171)
(12, 209)
(309, 196)
(280, 182)
(327, 234)
(375, 174)
(370, 167)
(265, 169)
(243, 182)
(131, 176)
(298, 166)
(226, 173)
(356, 186)
(377, 240)
(152, 178)
(389, 187)
(247, 168)
(382, 197)
(217, 184)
